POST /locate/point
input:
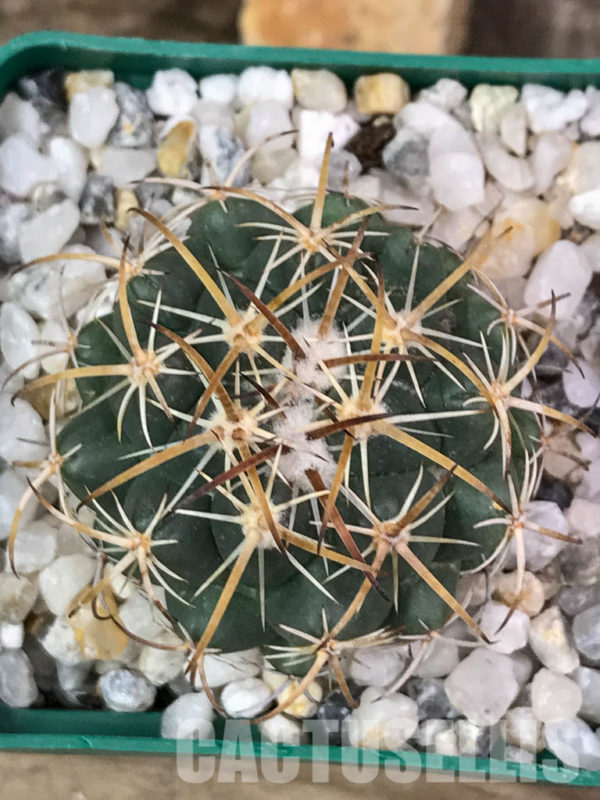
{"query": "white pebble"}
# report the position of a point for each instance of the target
(221, 88)
(12, 635)
(586, 208)
(574, 743)
(582, 390)
(223, 668)
(35, 546)
(245, 698)
(123, 690)
(188, 717)
(446, 742)
(17, 596)
(125, 164)
(161, 666)
(513, 129)
(424, 118)
(265, 83)
(22, 434)
(441, 657)
(591, 248)
(551, 641)
(523, 729)
(583, 170)
(378, 666)
(588, 681)
(61, 643)
(590, 124)
(47, 232)
(551, 110)
(314, 128)
(483, 686)
(138, 615)
(17, 685)
(46, 289)
(208, 112)
(561, 269)
(554, 696)
(22, 168)
(382, 721)
(267, 119)
(429, 729)
(12, 487)
(319, 90)
(62, 580)
(511, 171)
(505, 637)
(489, 104)
(281, 729)
(522, 667)
(540, 550)
(173, 92)
(18, 333)
(19, 116)
(71, 163)
(457, 180)
(549, 157)
(92, 114)
(586, 632)
(445, 93)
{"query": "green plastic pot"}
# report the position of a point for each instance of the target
(135, 61)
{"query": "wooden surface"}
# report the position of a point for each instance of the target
(498, 27)
(68, 776)
(426, 26)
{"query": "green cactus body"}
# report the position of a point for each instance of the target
(299, 453)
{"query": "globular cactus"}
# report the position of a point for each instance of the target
(303, 426)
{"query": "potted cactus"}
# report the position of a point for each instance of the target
(295, 426)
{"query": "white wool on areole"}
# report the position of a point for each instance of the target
(304, 454)
(316, 350)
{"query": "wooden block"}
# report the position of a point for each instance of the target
(426, 26)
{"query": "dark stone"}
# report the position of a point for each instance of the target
(97, 201)
(589, 307)
(406, 157)
(46, 86)
(342, 164)
(552, 393)
(367, 144)
(431, 698)
(135, 124)
(44, 666)
(331, 713)
(552, 364)
(45, 195)
(555, 490)
(147, 193)
(475, 741)
(575, 599)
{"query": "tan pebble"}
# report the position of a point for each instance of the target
(67, 399)
(522, 231)
(532, 599)
(98, 638)
(383, 93)
(540, 218)
(126, 201)
(88, 79)
(304, 706)
(174, 150)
